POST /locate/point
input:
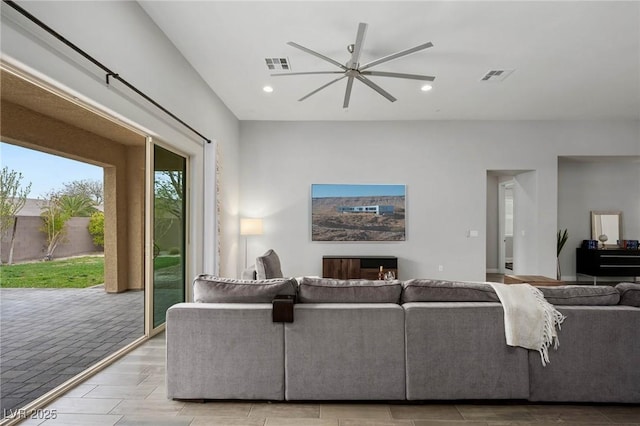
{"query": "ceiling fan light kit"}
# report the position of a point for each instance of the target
(352, 70)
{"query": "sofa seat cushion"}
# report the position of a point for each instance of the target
(425, 290)
(629, 294)
(268, 266)
(581, 295)
(327, 290)
(211, 289)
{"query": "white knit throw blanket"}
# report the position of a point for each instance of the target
(529, 320)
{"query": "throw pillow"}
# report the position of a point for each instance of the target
(327, 290)
(581, 295)
(268, 266)
(629, 294)
(210, 289)
(425, 290)
(249, 273)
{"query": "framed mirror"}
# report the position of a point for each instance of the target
(606, 228)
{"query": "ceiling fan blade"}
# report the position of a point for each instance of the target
(376, 88)
(396, 55)
(318, 55)
(347, 93)
(320, 88)
(399, 75)
(307, 72)
(357, 47)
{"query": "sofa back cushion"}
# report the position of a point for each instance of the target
(425, 290)
(327, 290)
(629, 294)
(268, 266)
(211, 289)
(581, 295)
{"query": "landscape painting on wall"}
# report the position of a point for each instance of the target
(357, 212)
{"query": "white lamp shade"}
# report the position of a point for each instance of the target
(250, 226)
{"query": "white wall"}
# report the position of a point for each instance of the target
(125, 39)
(443, 164)
(583, 186)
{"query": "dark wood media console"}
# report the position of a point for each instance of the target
(357, 267)
(608, 262)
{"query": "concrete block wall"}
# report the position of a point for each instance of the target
(30, 242)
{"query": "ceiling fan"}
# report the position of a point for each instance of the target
(353, 70)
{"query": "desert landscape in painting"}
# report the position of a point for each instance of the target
(334, 218)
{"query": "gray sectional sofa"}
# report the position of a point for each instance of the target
(413, 340)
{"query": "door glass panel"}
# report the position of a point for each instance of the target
(168, 231)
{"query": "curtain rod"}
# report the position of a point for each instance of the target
(108, 72)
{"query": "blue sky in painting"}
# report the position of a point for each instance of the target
(339, 190)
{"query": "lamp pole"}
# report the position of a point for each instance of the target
(246, 243)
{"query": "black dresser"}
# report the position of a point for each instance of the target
(608, 263)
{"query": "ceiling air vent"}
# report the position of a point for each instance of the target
(496, 75)
(277, 63)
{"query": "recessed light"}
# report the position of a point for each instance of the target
(267, 89)
(426, 88)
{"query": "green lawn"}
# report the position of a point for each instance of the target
(77, 272)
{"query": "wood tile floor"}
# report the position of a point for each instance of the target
(132, 392)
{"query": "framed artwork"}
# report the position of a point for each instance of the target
(358, 212)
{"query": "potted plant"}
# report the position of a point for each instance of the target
(563, 235)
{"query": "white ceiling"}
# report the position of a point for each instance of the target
(572, 60)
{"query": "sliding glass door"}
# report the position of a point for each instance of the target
(169, 231)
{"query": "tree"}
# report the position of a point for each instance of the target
(77, 205)
(12, 199)
(90, 188)
(57, 209)
(96, 228)
(168, 197)
(168, 202)
(54, 218)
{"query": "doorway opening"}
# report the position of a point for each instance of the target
(57, 318)
(44, 119)
(512, 222)
(505, 226)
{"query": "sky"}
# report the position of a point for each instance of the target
(339, 190)
(45, 172)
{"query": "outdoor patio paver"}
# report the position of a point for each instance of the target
(49, 335)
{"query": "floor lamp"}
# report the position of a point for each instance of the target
(249, 226)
